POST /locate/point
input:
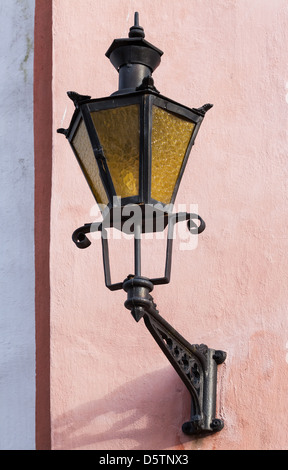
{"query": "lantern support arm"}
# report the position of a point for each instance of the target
(195, 364)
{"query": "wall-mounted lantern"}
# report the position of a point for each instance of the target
(133, 147)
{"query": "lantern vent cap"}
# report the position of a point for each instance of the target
(134, 49)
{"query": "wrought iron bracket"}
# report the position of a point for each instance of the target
(195, 364)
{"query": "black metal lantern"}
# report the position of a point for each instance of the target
(133, 147)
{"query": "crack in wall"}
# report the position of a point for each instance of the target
(29, 49)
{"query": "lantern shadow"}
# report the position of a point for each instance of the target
(146, 413)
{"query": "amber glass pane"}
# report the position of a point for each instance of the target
(170, 138)
(88, 163)
(118, 131)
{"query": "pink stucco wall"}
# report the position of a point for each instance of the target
(111, 387)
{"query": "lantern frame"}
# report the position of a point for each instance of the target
(145, 99)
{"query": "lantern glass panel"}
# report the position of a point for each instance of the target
(86, 158)
(171, 135)
(118, 130)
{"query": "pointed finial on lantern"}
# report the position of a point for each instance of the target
(136, 31)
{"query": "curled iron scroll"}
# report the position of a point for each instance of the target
(82, 241)
(193, 228)
(79, 236)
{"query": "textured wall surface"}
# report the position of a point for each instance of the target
(17, 312)
(111, 388)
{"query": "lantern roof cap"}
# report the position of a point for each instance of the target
(134, 49)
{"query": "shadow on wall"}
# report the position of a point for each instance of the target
(144, 414)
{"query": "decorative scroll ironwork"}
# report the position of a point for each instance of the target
(186, 364)
(81, 240)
